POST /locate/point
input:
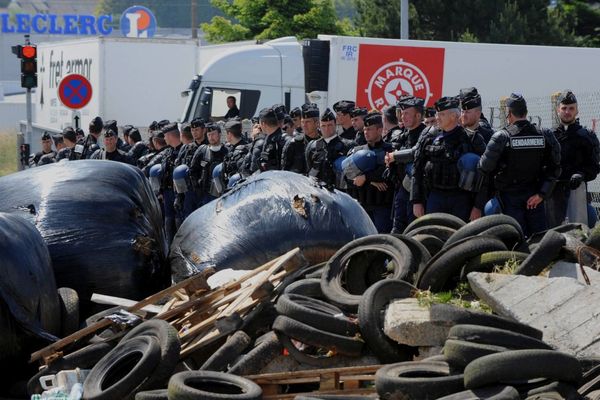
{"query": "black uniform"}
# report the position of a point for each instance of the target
(117, 155)
(65, 153)
(270, 156)
(173, 217)
(250, 164)
(294, 153)
(34, 161)
(321, 155)
(202, 165)
(47, 159)
(522, 161)
(348, 134)
(90, 145)
(234, 160)
(485, 130)
(579, 161)
(151, 159)
(137, 151)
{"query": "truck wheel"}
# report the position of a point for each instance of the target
(69, 311)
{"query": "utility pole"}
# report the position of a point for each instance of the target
(403, 19)
(194, 22)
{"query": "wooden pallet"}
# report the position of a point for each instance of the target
(200, 314)
(343, 381)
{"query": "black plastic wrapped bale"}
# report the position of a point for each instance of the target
(264, 217)
(29, 305)
(101, 222)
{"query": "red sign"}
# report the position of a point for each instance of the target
(387, 72)
(75, 91)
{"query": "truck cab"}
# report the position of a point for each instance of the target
(273, 70)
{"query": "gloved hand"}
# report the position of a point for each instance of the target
(178, 203)
(576, 180)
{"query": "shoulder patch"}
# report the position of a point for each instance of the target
(528, 142)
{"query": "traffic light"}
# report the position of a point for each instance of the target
(28, 55)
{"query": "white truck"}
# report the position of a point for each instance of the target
(374, 72)
(133, 81)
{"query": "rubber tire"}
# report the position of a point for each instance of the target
(333, 272)
(418, 250)
(482, 224)
(170, 347)
(590, 385)
(496, 337)
(441, 232)
(180, 386)
(363, 269)
(159, 394)
(450, 261)
(332, 397)
(392, 383)
(316, 313)
(519, 365)
(431, 243)
(546, 252)
(306, 359)
(487, 393)
(460, 352)
(510, 235)
(370, 310)
(316, 337)
(313, 271)
(306, 287)
(227, 353)
(565, 228)
(84, 358)
(257, 358)
(147, 346)
(461, 316)
(561, 390)
(487, 261)
(442, 219)
(69, 311)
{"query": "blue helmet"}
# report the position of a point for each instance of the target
(217, 186)
(592, 215)
(359, 162)
(492, 207)
(338, 163)
(155, 175)
(181, 174)
(467, 166)
(233, 179)
(468, 162)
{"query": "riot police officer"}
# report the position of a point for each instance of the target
(391, 130)
(358, 123)
(371, 189)
(110, 151)
(70, 140)
(579, 158)
(524, 164)
(90, 143)
(342, 110)
(429, 117)
(186, 201)
(294, 151)
(172, 217)
(51, 157)
(296, 115)
(411, 113)
(205, 159)
(270, 156)
(436, 170)
(250, 164)
(237, 148)
(137, 146)
(46, 149)
(471, 117)
(321, 154)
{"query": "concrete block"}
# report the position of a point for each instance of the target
(566, 269)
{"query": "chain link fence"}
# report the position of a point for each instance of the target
(542, 111)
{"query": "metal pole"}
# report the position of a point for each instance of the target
(28, 131)
(194, 22)
(403, 19)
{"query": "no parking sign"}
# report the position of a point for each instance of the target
(75, 91)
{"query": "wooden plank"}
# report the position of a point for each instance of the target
(121, 302)
(329, 381)
(56, 346)
(346, 371)
(352, 392)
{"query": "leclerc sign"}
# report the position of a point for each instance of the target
(51, 24)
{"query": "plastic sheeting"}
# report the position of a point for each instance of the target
(264, 217)
(101, 222)
(27, 287)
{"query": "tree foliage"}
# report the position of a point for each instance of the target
(492, 21)
(269, 19)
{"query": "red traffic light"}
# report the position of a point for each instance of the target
(28, 51)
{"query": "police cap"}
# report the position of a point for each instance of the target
(359, 112)
(153, 126)
(57, 139)
(79, 132)
(296, 112)
(390, 113)
(211, 127)
(344, 106)
(306, 106)
(162, 123)
(170, 128)
(311, 112)
(446, 103)
(470, 101)
(135, 135)
(280, 111)
(567, 97)
(111, 124)
(110, 133)
(467, 92)
(127, 129)
(373, 118)
(158, 134)
(267, 113)
(46, 136)
(69, 134)
(198, 123)
(288, 120)
(328, 115)
(429, 112)
(233, 123)
(96, 124)
(410, 101)
(517, 103)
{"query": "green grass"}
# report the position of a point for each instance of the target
(8, 153)
(462, 296)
